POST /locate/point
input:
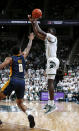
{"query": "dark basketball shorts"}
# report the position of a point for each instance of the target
(14, 84)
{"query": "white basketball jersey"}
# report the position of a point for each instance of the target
(51, 45)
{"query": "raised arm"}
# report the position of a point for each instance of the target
(6, 62)
(37, 30)
(27, 49)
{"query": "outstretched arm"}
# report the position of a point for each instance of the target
(27, 49)
(7, 61)
(37, 30)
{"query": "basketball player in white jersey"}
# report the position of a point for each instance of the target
(52, 60)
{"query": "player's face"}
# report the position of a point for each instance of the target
(51, 31)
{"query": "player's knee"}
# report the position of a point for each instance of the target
(19, 102)
(2, 96)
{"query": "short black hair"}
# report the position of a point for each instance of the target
(52, 30)
(15, 50)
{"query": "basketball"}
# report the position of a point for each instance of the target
(36, 13)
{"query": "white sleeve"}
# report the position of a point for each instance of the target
(51, 38)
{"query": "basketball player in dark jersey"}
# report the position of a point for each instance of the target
(16, 82)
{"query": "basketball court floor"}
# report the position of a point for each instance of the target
(65, 118)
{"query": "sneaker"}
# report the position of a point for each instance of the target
(46, 106)
(0, 122)
(50, 109)
(31, 121)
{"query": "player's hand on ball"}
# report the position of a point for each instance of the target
(36, 14)
(31, 19)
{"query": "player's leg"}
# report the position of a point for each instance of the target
(50, 107)
(51, 92)
(26, 111)
(52, 66)
(21, 105)
(20, 89)
(2, 96)
(5, 90)
(51, 88)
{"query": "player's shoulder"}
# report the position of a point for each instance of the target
(51, 38)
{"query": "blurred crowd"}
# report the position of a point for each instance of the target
(70, 85)
(36, 82)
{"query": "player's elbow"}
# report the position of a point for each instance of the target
(1, 67)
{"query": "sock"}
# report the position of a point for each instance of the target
(51, 102)
(28, 112)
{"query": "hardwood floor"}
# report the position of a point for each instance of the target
(65, 118)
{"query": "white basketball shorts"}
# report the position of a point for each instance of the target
(52, 66)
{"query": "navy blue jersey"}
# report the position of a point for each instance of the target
(18, 66)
